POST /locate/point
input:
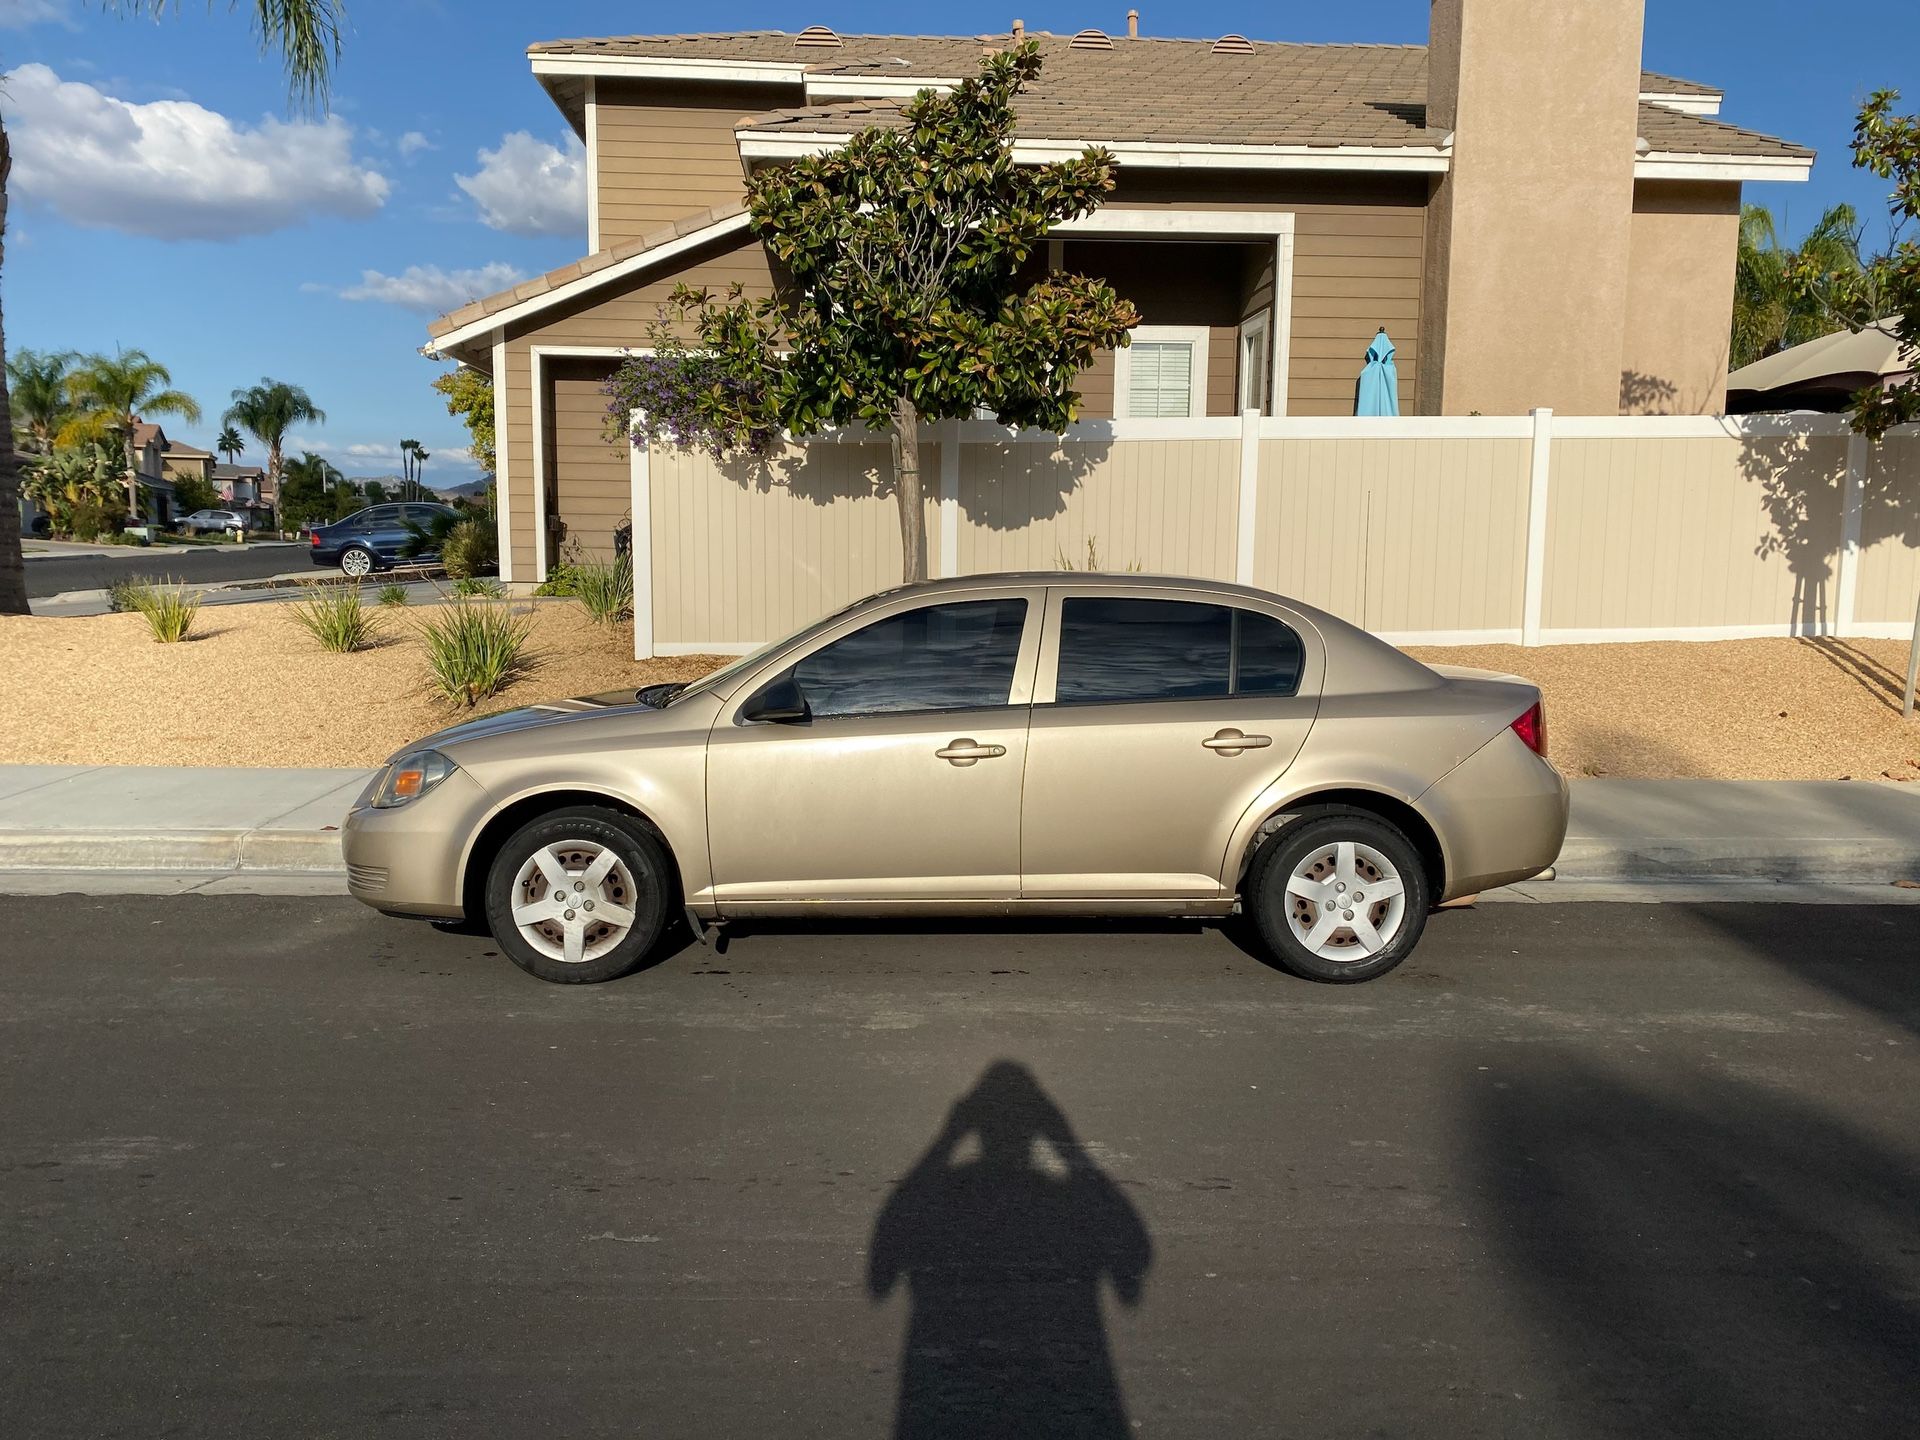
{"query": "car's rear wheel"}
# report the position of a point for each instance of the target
(580, 895)
(356, 562)
(1341, 896)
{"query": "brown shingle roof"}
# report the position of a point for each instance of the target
(1161, 90)
(600, 259)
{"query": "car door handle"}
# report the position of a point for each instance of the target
(966, 752)
(1232, 742)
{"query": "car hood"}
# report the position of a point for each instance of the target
(528, 717)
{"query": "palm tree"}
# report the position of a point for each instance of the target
(117, 391)
(306, 33)
(230, 444)
(38, 384)
(1769, 312)
(267, 411)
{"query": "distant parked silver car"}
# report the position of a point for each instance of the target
(202, 522)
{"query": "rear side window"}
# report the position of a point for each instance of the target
(940, 657)
(1114, 649)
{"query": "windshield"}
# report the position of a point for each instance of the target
(727, 674)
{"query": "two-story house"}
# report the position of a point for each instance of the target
(1535, 219)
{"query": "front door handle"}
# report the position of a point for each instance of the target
(1232, 742)
(967, 752)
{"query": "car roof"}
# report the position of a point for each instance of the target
(1089, 579)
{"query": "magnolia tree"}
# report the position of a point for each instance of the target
(903, 251)
(1888, 288)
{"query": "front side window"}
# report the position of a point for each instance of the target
(1118, 649)
(958, 656)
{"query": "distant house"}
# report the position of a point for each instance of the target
(184, 461)
(239, 484)
(156, 504)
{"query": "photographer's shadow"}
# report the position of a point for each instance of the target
(1003, 1258)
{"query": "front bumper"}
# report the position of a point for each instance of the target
(406, 861)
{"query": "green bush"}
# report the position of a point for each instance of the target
(393, 595)
(560, 581)
(169, 609)
(477, 587)
(474, 650)
(90, 519)
(605, 589)
(335, 617)
(470, 548)
(124, 594)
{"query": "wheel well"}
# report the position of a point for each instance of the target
(494, 834)
(1402, 816)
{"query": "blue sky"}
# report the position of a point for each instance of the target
(231, 240)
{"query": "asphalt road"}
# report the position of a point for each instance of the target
(280, 1167)
(200, 565)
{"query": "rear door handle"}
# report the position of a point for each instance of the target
(966, 752)
(1232, 742)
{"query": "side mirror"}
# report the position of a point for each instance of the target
(780, 702)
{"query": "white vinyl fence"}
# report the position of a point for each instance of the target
(1534, 530)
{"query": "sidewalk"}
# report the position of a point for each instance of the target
(237, 821)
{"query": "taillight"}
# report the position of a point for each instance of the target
(313, 538)
(1532, 729)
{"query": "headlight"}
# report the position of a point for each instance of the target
(409, 777)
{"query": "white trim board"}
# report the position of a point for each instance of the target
(1178, 224)
(587, 284)
(1685, 104)
(502, 488)
(1661, 165)
(1600, 635)
(640, 500)
(593, 166)
(664, 67)
(1417, 159)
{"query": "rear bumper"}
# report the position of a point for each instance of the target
(1501, 815)
(406, 861)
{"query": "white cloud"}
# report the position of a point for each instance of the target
(176, 170)
(19, 14)
(432, 290)
(528, 187)
(412, 143)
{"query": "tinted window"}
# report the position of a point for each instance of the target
(423, 515)
(1136, 649)
(942, 657)
(1267, 655)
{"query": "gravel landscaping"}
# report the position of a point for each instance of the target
(253, 689)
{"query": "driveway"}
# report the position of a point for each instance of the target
(49, 575)
(279, 1166)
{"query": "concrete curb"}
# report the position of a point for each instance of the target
(309, 851)
(1850, 861)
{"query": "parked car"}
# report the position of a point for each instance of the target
(373, 538)
(202, 522)
(1036, 744)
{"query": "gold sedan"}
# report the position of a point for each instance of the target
(1037, 744)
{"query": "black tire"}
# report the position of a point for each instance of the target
(1273, 909)
(636, 847)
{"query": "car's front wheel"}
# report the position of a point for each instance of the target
(1340, 896)
(580, 895)
(356, 562)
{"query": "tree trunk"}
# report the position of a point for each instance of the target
(13, 573)
(906, 491)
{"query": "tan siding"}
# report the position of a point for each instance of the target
(624, 316)
(1659, 532)
(1889, 584)
(588, 477)
(665, 151)
(519, 447)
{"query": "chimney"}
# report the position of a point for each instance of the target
(1532, 223)
(1019, 31)
(1133, 24)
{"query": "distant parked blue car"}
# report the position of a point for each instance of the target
(373, 538)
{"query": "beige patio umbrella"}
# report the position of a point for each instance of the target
(1822, 374)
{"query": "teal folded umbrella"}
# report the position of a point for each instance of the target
(1379, 391)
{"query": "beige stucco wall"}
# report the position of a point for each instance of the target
(1529, 235)
(1673, 358)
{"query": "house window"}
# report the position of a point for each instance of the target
(1162, 375)
(1256, 364)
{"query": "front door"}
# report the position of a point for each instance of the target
(902, 784)
(1156, 723)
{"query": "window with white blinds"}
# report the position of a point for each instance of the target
(1162, 375)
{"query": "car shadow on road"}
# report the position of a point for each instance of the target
(1703, 1256)
(1003, 1255)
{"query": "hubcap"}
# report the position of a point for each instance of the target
(356, 563)
(1346, 902)
(574, 900)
